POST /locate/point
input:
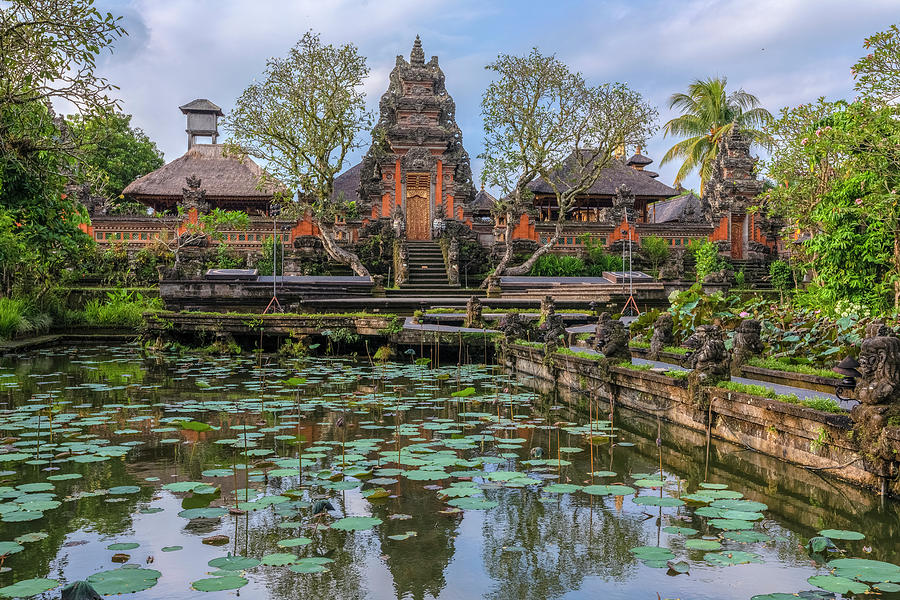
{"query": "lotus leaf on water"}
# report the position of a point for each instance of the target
(608, 490)
(680, 530)
(124, 580)
(356, 523)
(123, 546)
(724, 559)
(218, 584)
(7, 548)
(700, 544)
(28, 587)
(473, 503)
(278, 559)
(293, 542)
(233, 563)
(842, 534)
(838, 584)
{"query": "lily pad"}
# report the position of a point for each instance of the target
(279, 559)
(724, 559)
(699, 544)
(28, 587)
(607, 490)
(218, 584)
(473, 503)
(356, 523)
(842, 534)
(123, 546)
(233, 563)
(7, 548)
(837, 584)
(123, 580)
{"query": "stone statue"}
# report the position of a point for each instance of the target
(709, 359)
(473, 313)
(878, 392)
(878, 328)
(611, 338)
(747, 344)
(553, 329)
(548, 307)
(514, 327)
(193, 196)
(662, 335)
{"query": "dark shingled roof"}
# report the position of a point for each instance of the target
(483, 201)
(639, 159)
(201, 105)
(672, 209)
(347, 183)
(229, 177)
(612, 176)
(652, 174)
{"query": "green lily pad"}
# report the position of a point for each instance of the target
(28, 587)
(837, 584)
(7, 548)
(562, 488)
(233, 563)
(724, 559)
(124, 580)
(680, 530)
(403, 536)
(842, 534)
(871, 571)
(356, 523)
(203, 513)
(172, 548)
(279, 559)
(607, 490)
(124, 489)
(307, 568)
(218, 584)
(746, 536)
(123, 546)
(473, 503)
(34, 536)
(699, 544)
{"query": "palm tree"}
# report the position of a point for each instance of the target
(709, 113)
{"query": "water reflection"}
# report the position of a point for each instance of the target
(533, 544)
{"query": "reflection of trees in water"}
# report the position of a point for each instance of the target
(417, 564)
(344, 578)
(563, 544)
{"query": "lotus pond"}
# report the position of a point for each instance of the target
(180, 477)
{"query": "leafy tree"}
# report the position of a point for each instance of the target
(212, 225)
(878, 73)
(706, 257)
(782, 277)
(270, 256)
(48, 51)
(656, 249)
(708, 114)
(113, 153)
(543, 120)
(303, 118)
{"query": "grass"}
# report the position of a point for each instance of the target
(817, 402)
(676, 373)
(13, 319)
(579, 354)
(777, 364)
(676, 350)
(121, 309)
(639, 344)
(529, 344)
(629, 365)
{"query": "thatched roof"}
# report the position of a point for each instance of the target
(639, 159)
(613, 175)
(667, 211)
(221, 177)
(347, 183)
(483, 201)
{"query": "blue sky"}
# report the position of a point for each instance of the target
(787, 52)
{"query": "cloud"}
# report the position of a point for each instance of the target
(786, 52)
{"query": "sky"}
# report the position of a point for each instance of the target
(787, 52)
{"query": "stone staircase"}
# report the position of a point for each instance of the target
(427, 273)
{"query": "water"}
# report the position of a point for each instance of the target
(532, 543)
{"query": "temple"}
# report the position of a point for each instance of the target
(416, 179)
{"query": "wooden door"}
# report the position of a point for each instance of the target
(418, 209)
(737, 237)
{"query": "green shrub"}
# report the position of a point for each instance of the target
(597, 260)
(783, 365)
(121, 309)
(556, 265)
(655, 249)
(13, 318)
(781, 276)
(816, 402)
(706, 257)
(271, 254)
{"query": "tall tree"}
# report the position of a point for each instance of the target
(543, 120)
(48, 51)
(708, 113)
(112, 152)
(877, 73)
(303, 118)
